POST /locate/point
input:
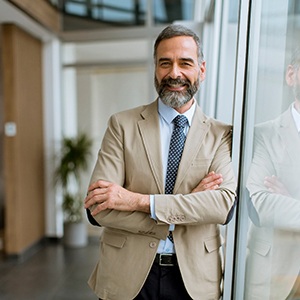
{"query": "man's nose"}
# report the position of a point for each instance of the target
(175, 72)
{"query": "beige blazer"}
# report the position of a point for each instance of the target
(130, 156)
(273, 261)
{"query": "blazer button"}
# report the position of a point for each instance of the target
(152, 244)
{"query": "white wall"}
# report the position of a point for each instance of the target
(106, 77)
(104, 91)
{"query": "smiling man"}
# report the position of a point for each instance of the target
(162, 185)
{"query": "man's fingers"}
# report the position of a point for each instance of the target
(100, 207)
(96, 188)
(96, 196)
(212, 176)
(94, 193)
(274, 185)
(99, 184)
(210, 182)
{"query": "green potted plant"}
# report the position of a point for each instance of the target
(73, 160)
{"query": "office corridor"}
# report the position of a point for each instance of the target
(54, 272)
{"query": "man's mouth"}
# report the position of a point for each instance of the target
(175, 87)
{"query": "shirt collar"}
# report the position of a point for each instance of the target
(169, 113)
(296, 117)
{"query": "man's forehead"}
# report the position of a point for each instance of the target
(183, 44)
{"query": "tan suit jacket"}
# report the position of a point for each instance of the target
(273, 261)
(130, 156)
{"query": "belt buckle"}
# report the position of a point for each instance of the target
(165, 264)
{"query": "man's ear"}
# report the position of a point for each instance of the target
(290, 75)
(202, 71)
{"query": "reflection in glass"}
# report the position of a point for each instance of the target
(273, 260)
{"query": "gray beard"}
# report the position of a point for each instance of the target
(296, 91)
(176, 99)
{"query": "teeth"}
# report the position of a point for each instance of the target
(175, 85)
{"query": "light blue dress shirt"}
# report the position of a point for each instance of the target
(296, 117)
(166, 116)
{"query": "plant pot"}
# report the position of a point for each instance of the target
(75, 234)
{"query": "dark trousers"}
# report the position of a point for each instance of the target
(163, 283)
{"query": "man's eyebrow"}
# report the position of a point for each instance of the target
(164, 59)
(187, 59)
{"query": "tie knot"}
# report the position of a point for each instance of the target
(180, 121)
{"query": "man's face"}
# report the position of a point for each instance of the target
(293, 80)
(177, 70)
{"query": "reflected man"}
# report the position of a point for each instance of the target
(273, 260)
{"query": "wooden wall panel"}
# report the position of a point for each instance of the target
(42, 11)
(23, 153)
(1, 152)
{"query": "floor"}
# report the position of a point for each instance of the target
(53, 272)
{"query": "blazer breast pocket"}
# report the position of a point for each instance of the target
(200, 168)
(202, 162)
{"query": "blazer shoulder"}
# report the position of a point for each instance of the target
(221, 124)
(136, 112)
(271, 127)
(212, 122)
(218, 126)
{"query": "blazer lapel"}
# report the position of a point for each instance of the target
(150, 134)
(198, 130)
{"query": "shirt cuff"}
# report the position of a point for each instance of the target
(152, 207)
(153, 215)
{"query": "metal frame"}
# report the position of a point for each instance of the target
(238, 258)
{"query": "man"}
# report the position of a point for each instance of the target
(273, 261)
(127, 193)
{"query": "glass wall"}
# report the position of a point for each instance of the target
(166, 11)
(87, 14)
(126, 12)
(268, 264)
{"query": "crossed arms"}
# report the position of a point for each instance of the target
(107, 195)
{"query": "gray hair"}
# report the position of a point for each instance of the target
(295, 59)
(179, 30)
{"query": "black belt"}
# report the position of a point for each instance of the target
(166, 260)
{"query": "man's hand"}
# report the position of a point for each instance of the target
(108, 195)
(210, 182)
(274, 185)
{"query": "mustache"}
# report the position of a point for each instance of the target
(174, 82)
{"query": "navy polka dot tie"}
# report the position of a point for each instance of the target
(175, 153)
